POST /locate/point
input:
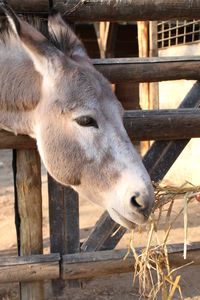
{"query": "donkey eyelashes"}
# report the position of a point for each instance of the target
(86, 121)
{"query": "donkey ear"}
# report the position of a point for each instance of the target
(63, 36)
(37, 46)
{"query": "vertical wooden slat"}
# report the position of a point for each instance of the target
(64, 224)
(102, 30)
(71, 230)
(56, 221)
(29, 211)
(153, 52)
(143, 49)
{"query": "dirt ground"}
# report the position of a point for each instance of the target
(109, 287)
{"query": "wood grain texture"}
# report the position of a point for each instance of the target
(29, 202)
(143, 51)
(29, 268)
(64, 224)
(153, 52)
(115, 10)
(152, 69)
(162, 124)
(9, 140)
(94, 264)
(100, 232)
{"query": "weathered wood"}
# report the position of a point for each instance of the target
(151, 69)
(56, 223)
(102, 30)
(64, 223)
(99, 234)
(94, 264)
(29, 268)
(115, 10)
(157, 161)
(168, 124)
(162, 124)
(111, 39)
(29, 204)
(71, 224)
(153, 52)
(143, 51)
(9, 140)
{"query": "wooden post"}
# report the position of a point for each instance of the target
(143, 49)
(102, 30)
(29, 211)
(64, 224)
(153, 52)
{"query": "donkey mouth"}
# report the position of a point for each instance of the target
(139, 219)
(126, 223)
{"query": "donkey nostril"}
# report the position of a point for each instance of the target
(134, 201)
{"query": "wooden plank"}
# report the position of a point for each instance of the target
(64, 224)
(165, 124)
(102, 30)
(29, 204)
(29, 268)
(151, 69)
(94, 264)
(72, 237)
(111, 39)
(153, 52)
(71, 224)
(29, 259)
(168, 124)
(115, 10)
(9, 140)
(56, 223)
(143, 51)
(158, 161)
(101, 231)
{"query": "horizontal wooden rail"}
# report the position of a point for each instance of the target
(151, 69)
(9, 140)
(29, 268)
(141, 125)
(115, 10)
(100, 263)
(163, 124)
(83, 265)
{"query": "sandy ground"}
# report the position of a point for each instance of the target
(109, 287)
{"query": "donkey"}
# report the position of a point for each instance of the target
(50, 91)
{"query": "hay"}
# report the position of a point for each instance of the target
(152, 266)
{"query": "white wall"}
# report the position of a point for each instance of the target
(171, 93)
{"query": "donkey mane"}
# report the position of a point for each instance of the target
(17, 69)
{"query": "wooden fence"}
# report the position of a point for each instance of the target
(172, 130)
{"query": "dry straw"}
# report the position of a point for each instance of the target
(152, 266)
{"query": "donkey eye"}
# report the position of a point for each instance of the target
(87, 121)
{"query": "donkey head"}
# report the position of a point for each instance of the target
(78, 125)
